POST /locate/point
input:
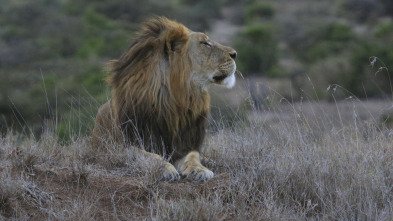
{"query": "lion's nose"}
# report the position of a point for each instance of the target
(233, 55)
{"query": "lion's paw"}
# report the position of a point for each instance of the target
(195, 172)
(170, 173)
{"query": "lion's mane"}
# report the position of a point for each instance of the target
(154, 103)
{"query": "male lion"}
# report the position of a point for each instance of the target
(159, 98)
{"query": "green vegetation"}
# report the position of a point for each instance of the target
(326, 41)
(258, 50)
(258, 11)
(53, 52)
(333, 43)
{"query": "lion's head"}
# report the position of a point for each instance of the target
(211, 61)
(169, 52)
(159, 95)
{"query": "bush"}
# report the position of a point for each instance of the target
(324, 41)
(259, 10)
(351, 70)
(385, 30)
(257, 50)
(362, 10)
(374, 79)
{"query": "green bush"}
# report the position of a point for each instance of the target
(336, 32)
(362, 10)
(101, 36)
(385, 30)
(374, 80)
(324, 41)
(257, 50)
(259, 10)
(93, 79)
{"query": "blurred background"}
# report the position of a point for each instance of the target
(52, 52)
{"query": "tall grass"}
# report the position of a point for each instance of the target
(290, 161)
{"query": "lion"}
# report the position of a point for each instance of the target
(159, 100)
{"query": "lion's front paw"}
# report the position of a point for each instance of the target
(195, 171)
(170, 173)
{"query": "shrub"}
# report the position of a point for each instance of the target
(324, 41)
(362, 10)
(374, 80)
(385, 30)
(257, 49)
(259, 10)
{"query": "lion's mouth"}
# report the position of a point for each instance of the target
(225, 80)
(219, 78)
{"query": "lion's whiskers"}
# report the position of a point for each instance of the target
(239, 73)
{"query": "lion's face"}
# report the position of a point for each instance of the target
(211, 61)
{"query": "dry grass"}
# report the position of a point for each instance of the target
(308, 161)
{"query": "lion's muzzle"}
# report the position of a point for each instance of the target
(226, 76)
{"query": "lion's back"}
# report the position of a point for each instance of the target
(105, 127)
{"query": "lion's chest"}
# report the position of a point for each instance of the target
(174, 135)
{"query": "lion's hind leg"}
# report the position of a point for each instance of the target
(190, 167)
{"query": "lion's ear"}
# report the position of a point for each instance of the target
(176, 39)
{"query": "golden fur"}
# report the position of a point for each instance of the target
(159, 98)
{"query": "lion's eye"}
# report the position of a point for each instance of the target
(207, 44)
